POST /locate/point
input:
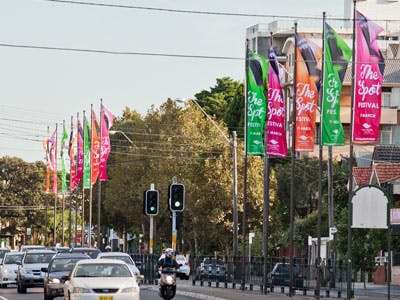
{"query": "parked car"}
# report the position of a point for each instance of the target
(280, 275)
(184, 267)
(29, 273)
(126, 258)
(60, 249)
(3, 251)
(212, 268)
(9, 267)
(60, 266)
(92, 252)
(101, 279)
(32, 247)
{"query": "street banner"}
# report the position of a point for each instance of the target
(107, 119)
(79, 169)
(86, 153)
(276, 133)
(46, 147)
(336, 58)
(257, 83)
(62, 152)
(95, 151)
(368, 81)
(53, 159)
(72, 159)
(308, 74)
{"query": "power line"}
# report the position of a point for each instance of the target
(100, 51)
(201, 12)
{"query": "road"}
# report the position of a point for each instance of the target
(37, 294)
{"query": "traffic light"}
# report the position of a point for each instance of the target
(176, 197)
(151, 203)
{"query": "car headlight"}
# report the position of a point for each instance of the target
(5, 271)
(129, 290)
(81, 290)
(54, 280)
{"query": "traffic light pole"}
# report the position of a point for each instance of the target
(151, 236)
(174, 231)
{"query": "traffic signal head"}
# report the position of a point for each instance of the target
(176, 197)
(151, 203)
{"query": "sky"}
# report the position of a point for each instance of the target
(41, 87)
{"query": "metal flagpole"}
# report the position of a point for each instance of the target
(349, 293)
(245, 173)
(321, 101)
(83, 185)
(55, 194)
(293, 154)
(91, 174)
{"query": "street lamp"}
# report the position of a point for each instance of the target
(121, 132)
(232, 143)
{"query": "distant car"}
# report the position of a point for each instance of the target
(9, 267)
(29, 273)
(280, 275)
(60, 249)
(184, 268)
(3, 251)
(60, 266)
(32, 247)
(126, 258)
(101, 279)
(212, 268)
(92, 252)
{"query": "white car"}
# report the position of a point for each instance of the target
(184, 268)
(101, 279)
(126, 258)
(9, 267)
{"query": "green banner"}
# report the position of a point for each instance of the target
(336, 58)
(62, 154)
(257, 84)
(86, 155)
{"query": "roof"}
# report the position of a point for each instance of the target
(386, 153)
(362, 175)
(387, 172)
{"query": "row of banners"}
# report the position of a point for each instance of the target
(265, 102)
(92, 143)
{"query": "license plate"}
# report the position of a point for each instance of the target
(105, 297)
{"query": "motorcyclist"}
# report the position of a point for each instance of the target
(167, 261)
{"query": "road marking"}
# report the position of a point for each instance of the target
(2, 298)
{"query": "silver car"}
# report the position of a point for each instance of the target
(9, 267)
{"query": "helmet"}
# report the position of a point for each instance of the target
(168, 252)
(108, 248)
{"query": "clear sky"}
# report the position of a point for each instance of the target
(40, 88)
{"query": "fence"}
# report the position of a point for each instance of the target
(224, 271)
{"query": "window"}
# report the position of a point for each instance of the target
(386, 100)
(386, 136)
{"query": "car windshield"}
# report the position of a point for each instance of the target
(91, 253)
(213, 262)
(102, 270)
(3, 252)
(38, 258)
(126, 259)
(12, 259)
(63, 264)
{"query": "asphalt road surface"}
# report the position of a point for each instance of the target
(10, 293)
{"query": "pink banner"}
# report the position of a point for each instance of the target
(368, 85)
(276, 136)
(79, 167)
(107, 119)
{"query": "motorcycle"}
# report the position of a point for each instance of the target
(167, 282)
